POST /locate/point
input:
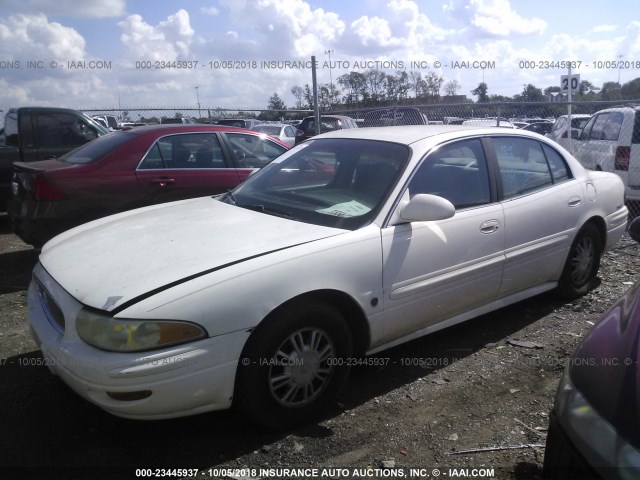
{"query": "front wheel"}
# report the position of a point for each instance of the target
(583, 262)
(294, 365)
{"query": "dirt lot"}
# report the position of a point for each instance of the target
(474, 386)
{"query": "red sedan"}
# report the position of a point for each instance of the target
(132, 168)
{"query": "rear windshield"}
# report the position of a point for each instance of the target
(96, 149)
(268, 130)
(232, 123)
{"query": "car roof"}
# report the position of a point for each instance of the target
(408, 134)
(184, 128)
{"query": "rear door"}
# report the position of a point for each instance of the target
(185, 166)
(542, 205)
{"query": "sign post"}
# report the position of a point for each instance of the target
(569, 84)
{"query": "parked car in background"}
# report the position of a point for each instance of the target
(258, 297)
(40, 133)
(108, 121)
(283, 132)
(239, 122)
(489, 122)
(178, 121)
(132, 168)
(594, 425)
(385, 117)
(328, 123)
(610, 142)
(542, 127)
(560, 131)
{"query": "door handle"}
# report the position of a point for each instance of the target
(163, 182)
(490, 226)
(574, 201)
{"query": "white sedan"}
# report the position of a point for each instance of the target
(350, 243)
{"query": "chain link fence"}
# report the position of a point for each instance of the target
(604, 135)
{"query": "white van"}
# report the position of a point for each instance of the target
(610, 142)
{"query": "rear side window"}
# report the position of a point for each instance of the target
(191, 150)
(522, 164)
(612, 128)
(559, 169)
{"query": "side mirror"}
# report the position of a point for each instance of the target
(426, 208)
(634, 229)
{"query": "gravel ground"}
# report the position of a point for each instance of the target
(486, 384)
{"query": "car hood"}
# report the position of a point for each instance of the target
(110, 262)
(605, 366)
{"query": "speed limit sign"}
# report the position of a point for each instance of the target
(569, 82)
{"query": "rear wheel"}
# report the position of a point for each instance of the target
(581, 268)
(289, 371)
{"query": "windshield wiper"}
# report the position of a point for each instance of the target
(269, 211)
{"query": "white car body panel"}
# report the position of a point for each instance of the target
(144, 263)
(227, 268)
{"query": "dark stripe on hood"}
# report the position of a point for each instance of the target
(153, 292)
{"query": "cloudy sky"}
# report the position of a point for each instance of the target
(104, 53)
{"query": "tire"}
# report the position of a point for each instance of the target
(581, 268)
(288, 372)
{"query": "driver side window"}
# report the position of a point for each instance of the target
(457, 172)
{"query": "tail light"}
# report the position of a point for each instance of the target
(43, 189)
(623, 154)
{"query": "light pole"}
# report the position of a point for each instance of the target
(619, 56)
(329, 52)
(198, 99)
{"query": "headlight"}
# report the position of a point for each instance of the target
(124, 335)
(600, 442)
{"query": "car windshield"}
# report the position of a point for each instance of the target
(269, 130)
(340, 183)
(96, 149)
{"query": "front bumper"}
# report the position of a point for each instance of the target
(183, 380)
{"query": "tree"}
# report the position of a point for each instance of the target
(451, 87)
(631, 90)
(375, 82)
(402, 84)
(355, 85)
(611, 91)
(530, 94)
(432, 84)
(481, 92)
(298, 93)
(416, 81)
(276, 103)
(585, 87)
(308, 96)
